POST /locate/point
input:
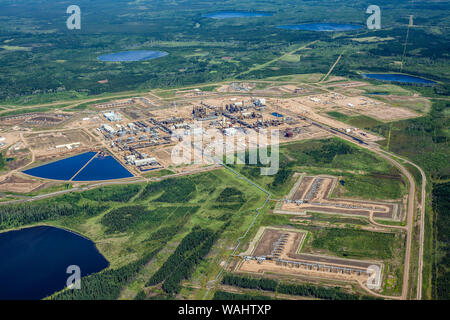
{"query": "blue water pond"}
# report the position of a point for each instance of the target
(236, 14)
(34, 261)
(62, 169)
(103, 168)
(394, 77)
(99, 168)
(321, 27)
(128, 56)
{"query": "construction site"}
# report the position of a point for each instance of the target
(145, 143)
(35, 120)
(278, 250)
(44, 144)
(349, 105)
(141, 132)
(313, 194)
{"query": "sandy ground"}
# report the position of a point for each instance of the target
(354, 106)
(19, 184)
(282, 248)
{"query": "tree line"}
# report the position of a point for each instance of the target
(105, 285)
(440, 272)
(173, 190)
(15, 215)
(181, 264)
(304, 290)
(113, 193)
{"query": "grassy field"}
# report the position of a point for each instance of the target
(371, 187)
(354, 243)
(330, 156)
(314, 217)
(360, 121)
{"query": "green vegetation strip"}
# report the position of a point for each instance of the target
(441, 269)
(181, 264)
(105, 285)
(303, 290)
(224, 296)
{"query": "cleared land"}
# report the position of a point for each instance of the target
(313, 194)
(278, 250)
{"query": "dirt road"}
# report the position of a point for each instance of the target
(410, 210)
(422, 207)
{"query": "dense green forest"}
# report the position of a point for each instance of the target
(40, 60)
(250, 283)
(123, 194)
(231, 195)
(13, 216)
(84, 204)
(183, 261)
(319, 292)
(441, 270)
(171, 190)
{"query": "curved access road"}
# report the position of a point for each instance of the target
(409, 218)
(373, 147)
(422, 207)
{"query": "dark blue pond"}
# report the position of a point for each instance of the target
(62, 169)
(34, 261)
(321, 27)
(236, 14)
(99, 169)
(126, 56)
(393, 77)
(103, 168)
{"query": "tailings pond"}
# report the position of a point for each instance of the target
(88, 166)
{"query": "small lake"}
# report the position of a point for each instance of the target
(129, 56)
(236, 14)
(329, 27)
(33, 261)
(98, 169)
(395, 77)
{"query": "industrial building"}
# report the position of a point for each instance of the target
(112, 116)
(146, 162)
(108, 129)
